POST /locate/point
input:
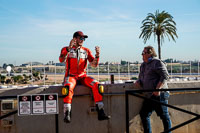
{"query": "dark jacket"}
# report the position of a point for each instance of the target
(151, 73)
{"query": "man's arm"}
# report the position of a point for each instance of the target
(138, 83)
(94, 61)
(162, 71)
(63, 54)
(66, 50)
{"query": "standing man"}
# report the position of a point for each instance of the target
(76, 56)
(153, 75)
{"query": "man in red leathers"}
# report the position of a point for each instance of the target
(76, 56)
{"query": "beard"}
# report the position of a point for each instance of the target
(80, 44)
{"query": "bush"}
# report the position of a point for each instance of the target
(134, 78)
(2, 79)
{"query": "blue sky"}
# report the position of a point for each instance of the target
(36, 30)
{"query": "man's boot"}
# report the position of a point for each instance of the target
(67, 116)
(101, 114)
(67, 113)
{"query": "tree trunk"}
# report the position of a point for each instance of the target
(159, 48)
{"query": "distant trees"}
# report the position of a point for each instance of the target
(37, 75)
(17, 79)
(124, 62)
(2, 79)
(5, 65)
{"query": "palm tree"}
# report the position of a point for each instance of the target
(161, 25)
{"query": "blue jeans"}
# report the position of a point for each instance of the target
(148, 107)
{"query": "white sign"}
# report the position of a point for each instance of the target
(51, 104)
(25, 108)
(38, 104)
(24, 105)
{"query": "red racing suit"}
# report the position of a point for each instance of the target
(76, 63)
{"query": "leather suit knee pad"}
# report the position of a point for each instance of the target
(101, 89)
(65, 90)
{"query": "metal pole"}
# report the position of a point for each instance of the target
(0, 76)
(119, 70)
(127, 112)
(182, 124)
(198, 68)
(128, 72)
(8, 114)
(171, 68)
(108, 71)
(56, 122)
(55, 73)
(190, 68)
(181, 70)
(31, 73)
(44, 75)
(98, 72)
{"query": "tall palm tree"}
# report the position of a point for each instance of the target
(161, 25)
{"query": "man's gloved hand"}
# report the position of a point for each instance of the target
(97, 49)
(72, 43)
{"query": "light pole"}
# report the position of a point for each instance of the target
(171, 68)
(190, 68)
(98, 71)
(181, 70)
(198, 68)
(128, 71)
(119, 70)
(31, 73)
(44, 75)
(55, 74)
(108, 71)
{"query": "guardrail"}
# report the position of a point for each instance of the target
(135, 93)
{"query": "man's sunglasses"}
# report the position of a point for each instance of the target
(82, 38)
(143, 53)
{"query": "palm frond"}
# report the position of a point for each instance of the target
(160, 24)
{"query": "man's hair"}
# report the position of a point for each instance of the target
(151, 51)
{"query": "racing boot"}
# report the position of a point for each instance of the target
(101, 113)
(67, 113)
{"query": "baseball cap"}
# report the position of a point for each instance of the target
(79, 33)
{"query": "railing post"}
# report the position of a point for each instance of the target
(112, 79)
(127, 112)
(56, 123)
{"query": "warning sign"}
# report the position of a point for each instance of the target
(51, 103)
(38, 104)
(24, 105)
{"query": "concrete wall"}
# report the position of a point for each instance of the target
(85, 121)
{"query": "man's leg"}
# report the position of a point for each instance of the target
(69, 83)
(145, 114)
(162, 111)
(98, 98)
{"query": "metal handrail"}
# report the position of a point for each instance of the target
(133, 93)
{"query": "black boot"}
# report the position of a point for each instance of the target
(101, 114)
(67, 116)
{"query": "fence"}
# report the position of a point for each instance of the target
(135, 93)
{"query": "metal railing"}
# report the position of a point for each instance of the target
(135, 93)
